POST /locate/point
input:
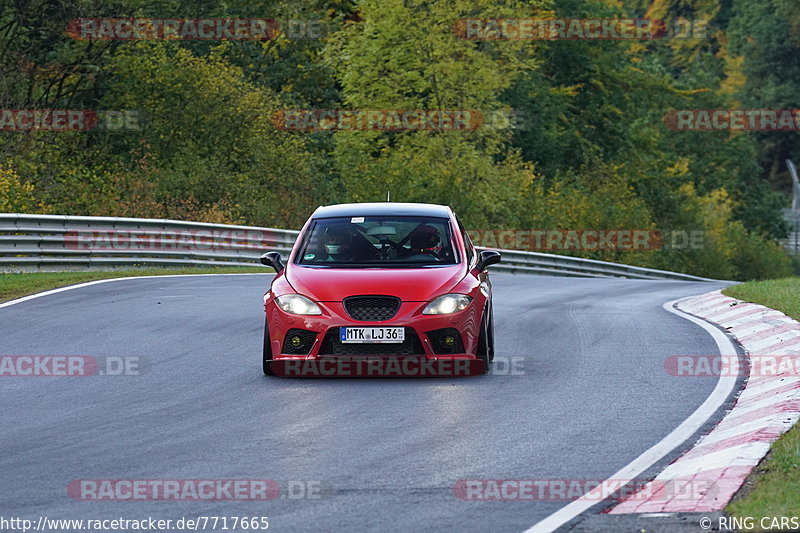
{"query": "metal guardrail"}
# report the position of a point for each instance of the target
(792, 216)
(562, 265)
(792, 242)
(58, 242)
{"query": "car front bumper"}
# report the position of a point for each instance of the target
(424, 333)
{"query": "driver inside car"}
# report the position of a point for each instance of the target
(426, 244)
(338, 243)
(344, 244)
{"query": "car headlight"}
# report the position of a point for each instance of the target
(297, 305)
(447, 304)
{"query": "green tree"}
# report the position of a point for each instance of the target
(407, 55)
(16, 196)
(209, 135)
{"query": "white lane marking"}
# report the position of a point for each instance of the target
(678, 436)
(98, 281)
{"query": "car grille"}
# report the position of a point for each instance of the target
(371, 308)
(331, 345)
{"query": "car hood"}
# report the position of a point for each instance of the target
(408, 284)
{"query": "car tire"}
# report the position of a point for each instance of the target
(267, 357)
(483, 344)
(491, 332)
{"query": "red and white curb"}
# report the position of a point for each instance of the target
(705, 478)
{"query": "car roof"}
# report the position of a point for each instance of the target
(382, 208)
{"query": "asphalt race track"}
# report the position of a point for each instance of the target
(589, 394)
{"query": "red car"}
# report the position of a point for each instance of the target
(398, 282)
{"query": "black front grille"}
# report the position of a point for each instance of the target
(306, 341)
(331, 345)
(371, 308)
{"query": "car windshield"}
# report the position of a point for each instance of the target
(378, 241)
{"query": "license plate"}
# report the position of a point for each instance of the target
(372, 335)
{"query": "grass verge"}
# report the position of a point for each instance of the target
(773, 488)
(780, 294)
(13, 285)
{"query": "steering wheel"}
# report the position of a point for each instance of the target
(389, 248)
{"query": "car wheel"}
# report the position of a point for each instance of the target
(267, 351)
(483, 344)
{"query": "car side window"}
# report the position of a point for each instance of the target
(467, 242)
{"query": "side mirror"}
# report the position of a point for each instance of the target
(487, 258)
(272, 259)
